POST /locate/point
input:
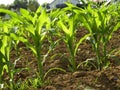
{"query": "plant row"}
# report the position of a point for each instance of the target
(25, 26)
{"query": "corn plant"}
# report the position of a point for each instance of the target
(7, 36)
(37, 30)
(100, 22)
(35, 27)
(5, 48)
(68, 23)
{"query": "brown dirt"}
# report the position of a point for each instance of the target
(85, 78)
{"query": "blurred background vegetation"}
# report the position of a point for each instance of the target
(26, 4)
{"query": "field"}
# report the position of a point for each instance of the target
(66, 49)
(85, 78)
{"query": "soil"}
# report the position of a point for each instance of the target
(85, 78)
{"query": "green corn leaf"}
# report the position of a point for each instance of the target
(5, 48)
(116, 27)
(36, 15)
(22, 39)
(16, 37)
(87, 25)
(71, 28)
(43, 18)
(54, 15)
(1, 63)
(30, 29)
(24, 12)
(51, 69)
(12, 14)
(0, 42)
(38, 10)
(31, 47)
(80, 41)
(60, 23)
(26, 15)
(42, 36)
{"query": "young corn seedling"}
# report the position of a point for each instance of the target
(38, 31)
(35, 27)
(7, 36)
(100, 24)
(5, 48)
(68, 23)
